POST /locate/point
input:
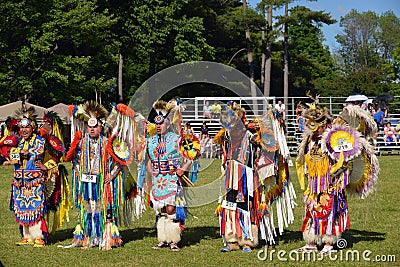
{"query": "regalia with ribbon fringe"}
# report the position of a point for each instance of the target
(170, 147)
(35, 191)
(57, 185)
(166, 152)
(336, 158)
(256, 171)
(120, 145)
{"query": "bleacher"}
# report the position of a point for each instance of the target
(194, 114)
(383, 148)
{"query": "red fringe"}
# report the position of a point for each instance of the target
(71, 152)
(223, 221)
(71, 109)
(125, 110)
(181, 226)
(43, 227)
(305, 222)
(239, 232)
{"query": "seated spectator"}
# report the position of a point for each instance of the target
(207, 110)
(188, 128)
(389, 134)
(371, 109)
(382, 105)
(216, 110)
(397, 129)
(204, 130)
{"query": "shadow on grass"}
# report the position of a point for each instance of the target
(193, 235)
(137, 233)
(354, 236)
(290, 236)
(190, 236)
(127, 234)
(61, 235)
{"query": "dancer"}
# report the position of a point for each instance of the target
(98, 156)
(334, 158)
(165, 149)
(255, 160)
(36, 185)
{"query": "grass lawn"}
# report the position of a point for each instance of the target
(374, 226)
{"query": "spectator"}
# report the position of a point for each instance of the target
(188, 128)
(378, 117)
(204, 130)
(207, 110)
(203, 146)
(216, 110)
(383, 107)
(208, 147)
(397, 129)
(390, 134)
(301, 122)
(371, 109)
(280, 107)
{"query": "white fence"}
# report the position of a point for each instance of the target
(258, 105)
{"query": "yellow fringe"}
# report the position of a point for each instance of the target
(282, 170)
(65, 201)
(57, 132)
(317, 166)
(151, 129)
(55, 222)
(300, 174)
(310, 196)
(219, 137)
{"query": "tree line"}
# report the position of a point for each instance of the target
(72, 50)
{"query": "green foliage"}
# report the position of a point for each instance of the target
(59, 47)
(309, 59)
(68, 51)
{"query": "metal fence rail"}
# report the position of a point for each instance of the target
(258, 105)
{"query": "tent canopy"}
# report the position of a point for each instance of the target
(62, 110)
(9, 109)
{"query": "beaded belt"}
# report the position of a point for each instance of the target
(166, 166)
(28, 174)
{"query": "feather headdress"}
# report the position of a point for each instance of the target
(91, 112)
(165, 110)
(359, 119)
(26, 116)
(12, 125)
(317, 116)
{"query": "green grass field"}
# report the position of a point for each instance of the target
(374, 226)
